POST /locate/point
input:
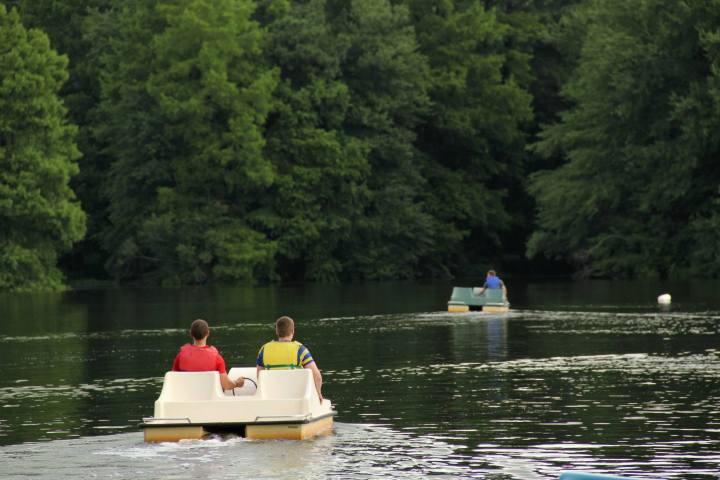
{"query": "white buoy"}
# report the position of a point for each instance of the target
(664, 299)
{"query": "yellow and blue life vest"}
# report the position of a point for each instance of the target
(283, 355)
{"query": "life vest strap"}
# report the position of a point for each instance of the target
(288, 366)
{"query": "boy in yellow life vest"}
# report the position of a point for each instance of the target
(284, 353)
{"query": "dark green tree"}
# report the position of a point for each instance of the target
(542, 41)
(639, 190)
(320, 189)
(387, 79)
(65, 22)
(698, 114)
(472, 137)
(185, 94)
(39, 215)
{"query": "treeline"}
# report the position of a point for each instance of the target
(190, 141)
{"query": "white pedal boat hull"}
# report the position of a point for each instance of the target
(285, 405)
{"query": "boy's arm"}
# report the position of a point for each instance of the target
(317, 377)
(228, 384)
(225, 381)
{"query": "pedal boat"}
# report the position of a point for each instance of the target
(464, 299)
(281, 404)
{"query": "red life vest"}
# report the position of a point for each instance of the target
(193, 358)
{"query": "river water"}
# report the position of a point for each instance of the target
(590, 376)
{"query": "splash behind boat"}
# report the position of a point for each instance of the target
(282, 404)
(464, 299)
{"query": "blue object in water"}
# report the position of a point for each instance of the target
(589, 476)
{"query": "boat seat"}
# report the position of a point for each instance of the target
(491, 295)
(191, 386)
(285, 384)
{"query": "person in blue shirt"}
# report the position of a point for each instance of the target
(493, 281)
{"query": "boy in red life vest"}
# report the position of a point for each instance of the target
(284, 353)
(201, 357)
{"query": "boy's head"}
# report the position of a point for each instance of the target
(491, 273)
(199, 329)
(284, 327)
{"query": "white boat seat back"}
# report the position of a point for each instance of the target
(197, 398)
(191, 386)
(286, 384)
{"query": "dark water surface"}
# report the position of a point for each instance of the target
(587, 376)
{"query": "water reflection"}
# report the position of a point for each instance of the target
(522, 395)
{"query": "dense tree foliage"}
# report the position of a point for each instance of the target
(64, 21)
(639, 192)
(387, 79)
(187, 166)
(321, 171)
(39, 215)
(255, 140)
(471, 138)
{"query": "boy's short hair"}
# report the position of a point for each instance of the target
(284, 326)
(199, 329)
(492, 272)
